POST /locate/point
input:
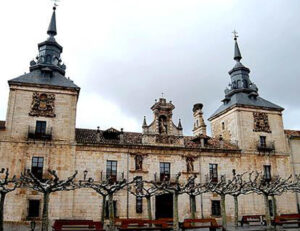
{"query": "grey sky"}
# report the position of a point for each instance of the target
(124, 53)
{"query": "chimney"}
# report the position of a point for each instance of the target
(199, 124)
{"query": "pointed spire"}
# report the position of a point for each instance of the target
(237, 53)
(144, 122)
(179, 124)
(52, 26)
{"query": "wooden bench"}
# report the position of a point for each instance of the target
(287, 219)
(249, 219)
(141, 224)
(74, 225)
(209, 223)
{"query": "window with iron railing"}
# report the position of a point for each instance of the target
(262, 141)
(37, 165)
(111, 170)
(213, 173)
(164, 170)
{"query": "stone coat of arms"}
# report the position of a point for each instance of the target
(261, 122)
(42, 105)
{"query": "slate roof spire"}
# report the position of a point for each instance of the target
(237, 52)
(241, 90)
(52, 26)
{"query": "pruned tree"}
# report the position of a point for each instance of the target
(195, 190)
(238, 187)
(223, 187)
(46, 187)
(140, 190)
(175, 188)
(268, 187)
(108, 187)
(7, 185)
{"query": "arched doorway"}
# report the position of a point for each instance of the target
(164, 206)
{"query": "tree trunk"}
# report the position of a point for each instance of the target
(236, 211)
(2, 211)
(175, 212)
(45, 220)
(111, 212)
(223, 211)
(193, 206)
(149, 208)
(103, 209)
(267, 211)
(274, 206)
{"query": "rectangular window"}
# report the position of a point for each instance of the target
(262, 141)
(33, 208)
(37, 165)
(215, 208)
(213, 172)
(267, 172)
(111, 170)
(139, 200)
(164, 171)
(40, 127)
(271, 208)
(107, 209)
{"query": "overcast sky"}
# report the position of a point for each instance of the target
(125, 53)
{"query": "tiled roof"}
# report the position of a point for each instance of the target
(93, 136)
(290, 133)
(2, 124)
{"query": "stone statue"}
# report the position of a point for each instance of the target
(189, 164)
(163, 126)
(139, 162)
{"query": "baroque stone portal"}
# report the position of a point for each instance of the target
(261, 122)
(42, 105)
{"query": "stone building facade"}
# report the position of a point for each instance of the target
(40, 133)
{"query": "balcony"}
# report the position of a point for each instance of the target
(161, 177)
(111, 177)
(266, 147)
(44, 135)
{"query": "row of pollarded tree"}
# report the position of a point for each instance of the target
(238, 184)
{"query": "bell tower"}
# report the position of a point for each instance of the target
(42, 103)
(245, 118)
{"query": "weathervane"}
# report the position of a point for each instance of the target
(55, 3)
(235, 34)
(162, 95)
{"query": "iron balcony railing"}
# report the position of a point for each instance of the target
(161, 177)
(34, 134)
(112, 176)
(265, 146)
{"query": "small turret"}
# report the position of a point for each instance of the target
(199, 124)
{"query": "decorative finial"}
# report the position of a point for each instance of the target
(235, 35)
(162, 95)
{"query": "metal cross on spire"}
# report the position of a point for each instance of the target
(235, 34)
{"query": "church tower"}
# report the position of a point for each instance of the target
(42, 103)
(245, 118)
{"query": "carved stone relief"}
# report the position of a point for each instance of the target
(42, 105)
(138, 162)
(261, 122)
(190, 164)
